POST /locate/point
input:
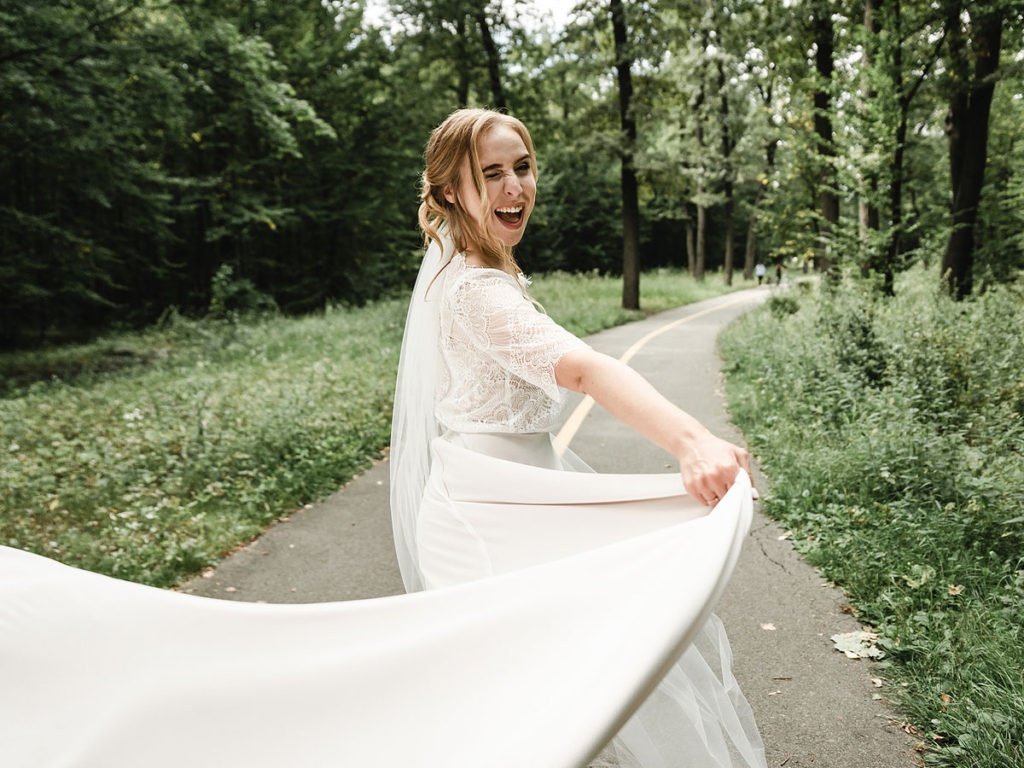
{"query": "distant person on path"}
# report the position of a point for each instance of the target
(481, 382)
(760, 272)
(778, 273)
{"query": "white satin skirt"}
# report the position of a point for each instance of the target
(501, 503)
(539, 665)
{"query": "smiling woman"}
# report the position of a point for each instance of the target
(480, 489)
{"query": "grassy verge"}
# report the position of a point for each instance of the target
(892, 433)
(147, 456)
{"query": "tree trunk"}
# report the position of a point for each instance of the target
(702, 240)
(462, 85)
(630, 198)
(868, 209)
(750, 250)
(700, 251)
(895, 247)
(493, 60)
(691, 254)
(828, 200)
(727, 185)
(967, 128)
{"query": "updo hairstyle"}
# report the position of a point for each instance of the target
(454, 139)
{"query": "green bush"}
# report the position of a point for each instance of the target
(892, 434)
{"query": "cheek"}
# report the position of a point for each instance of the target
(530, 187)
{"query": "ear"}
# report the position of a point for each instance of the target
(449, 195)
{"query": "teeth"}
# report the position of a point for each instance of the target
(516, 209)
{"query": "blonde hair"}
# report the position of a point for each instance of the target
(453, 140)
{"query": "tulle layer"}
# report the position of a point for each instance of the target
(498, 503)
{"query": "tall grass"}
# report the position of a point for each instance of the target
(146, 456)
(588, 303)
(150, 472)
(892, 433)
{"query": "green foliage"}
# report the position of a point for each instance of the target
(145, 144)
(590, 302)
(231, 296)
(892, 432)
(781, 305)
(151, 472)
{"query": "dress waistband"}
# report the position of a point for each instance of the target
(532, 448)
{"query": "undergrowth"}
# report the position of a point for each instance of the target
(892, 434)
(147, 456)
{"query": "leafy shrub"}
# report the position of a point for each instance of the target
(232, 296)
(781, 305)
(891, 432)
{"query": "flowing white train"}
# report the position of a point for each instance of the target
(519, 669)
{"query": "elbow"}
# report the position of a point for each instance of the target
(572, 371)
(580, 370)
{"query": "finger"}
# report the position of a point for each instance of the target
(744, 460)
(700, 491)
(715, 491)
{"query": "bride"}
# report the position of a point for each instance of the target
(481, 380)
(537, 666)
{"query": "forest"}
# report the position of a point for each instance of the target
(151, 150)
(218, 199)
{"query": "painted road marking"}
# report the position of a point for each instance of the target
(575, 421)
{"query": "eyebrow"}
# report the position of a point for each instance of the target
(492, 166)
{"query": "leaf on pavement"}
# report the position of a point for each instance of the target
(858, 645)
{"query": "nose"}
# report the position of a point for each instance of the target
(512, 185)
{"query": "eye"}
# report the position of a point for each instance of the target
(493, 175)
(523, 168)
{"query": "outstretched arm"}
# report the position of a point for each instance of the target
(707, 464)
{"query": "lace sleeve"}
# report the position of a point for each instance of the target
(493, 316)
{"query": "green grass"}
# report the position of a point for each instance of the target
(147, 456)
(590, 302)
(892, 434)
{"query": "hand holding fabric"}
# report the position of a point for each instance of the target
(709, 466)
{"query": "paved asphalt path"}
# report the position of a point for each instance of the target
(815, 707)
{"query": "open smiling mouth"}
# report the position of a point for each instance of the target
(511, 216)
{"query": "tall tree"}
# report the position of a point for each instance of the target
(828, 199)
(975, 35)
(867, 205)
(630, 195)
(492, 54)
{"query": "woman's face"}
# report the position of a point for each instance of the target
(508, 183)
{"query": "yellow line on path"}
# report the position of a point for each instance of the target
(575, 421)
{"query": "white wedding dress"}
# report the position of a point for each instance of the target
(499, 497)
(558, 601)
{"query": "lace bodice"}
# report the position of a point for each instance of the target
(499, 354)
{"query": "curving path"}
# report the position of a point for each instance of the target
(814, 706)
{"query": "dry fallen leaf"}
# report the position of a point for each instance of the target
(858, 645)
(769, 627)
(955, 589)
(876, 681)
